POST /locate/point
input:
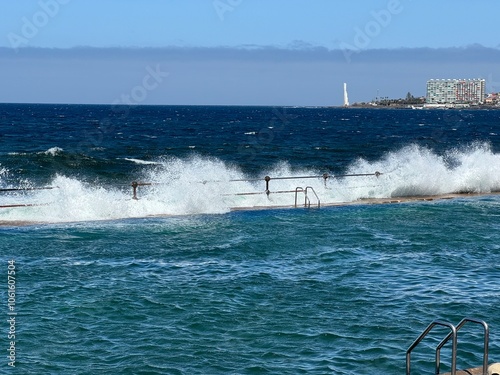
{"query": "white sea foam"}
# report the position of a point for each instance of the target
(198, 185)
(414, 171)
(139, 161)
(53, 151)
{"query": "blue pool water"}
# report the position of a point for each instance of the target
(178, 283)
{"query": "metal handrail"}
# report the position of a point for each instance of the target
(29, 188)
(421, 337)
(316, 195)
(325, 176)
(267, 179)
(14, 205)
(307, 201)
(460, 325)
(298, 189)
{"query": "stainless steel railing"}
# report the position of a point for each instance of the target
(454, 336)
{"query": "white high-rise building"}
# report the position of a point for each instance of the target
(455, 91)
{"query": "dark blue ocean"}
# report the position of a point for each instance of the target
(191, 279)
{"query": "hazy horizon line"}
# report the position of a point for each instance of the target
(252, 52)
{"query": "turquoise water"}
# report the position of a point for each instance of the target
(339, 290)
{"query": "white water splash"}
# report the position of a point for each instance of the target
(142, 162)
(209, 186)
(53, 151)
(416, 171)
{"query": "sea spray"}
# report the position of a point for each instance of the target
(415, 170)
(207, 185)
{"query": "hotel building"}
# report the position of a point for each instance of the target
(455, 91)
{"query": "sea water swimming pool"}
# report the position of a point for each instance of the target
(337, 290)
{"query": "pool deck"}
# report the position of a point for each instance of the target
(471, 371)
(371, 201)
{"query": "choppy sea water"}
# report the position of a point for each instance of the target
(105, 285)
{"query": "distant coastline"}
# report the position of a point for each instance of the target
(421, 107)
(490, 101)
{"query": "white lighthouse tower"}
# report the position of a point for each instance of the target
(346, 99)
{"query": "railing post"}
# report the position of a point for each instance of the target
(134, 189)
(325, 177)
(267, 179)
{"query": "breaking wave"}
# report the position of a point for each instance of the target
(200, 185)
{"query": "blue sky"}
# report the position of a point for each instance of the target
(150, 28)
(215, 23)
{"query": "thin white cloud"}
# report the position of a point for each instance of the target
(304, 75)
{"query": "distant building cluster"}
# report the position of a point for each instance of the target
(456, 91)
(493, 98)
(441, 93)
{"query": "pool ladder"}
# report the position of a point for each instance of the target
(307, 201)
(452, 335)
